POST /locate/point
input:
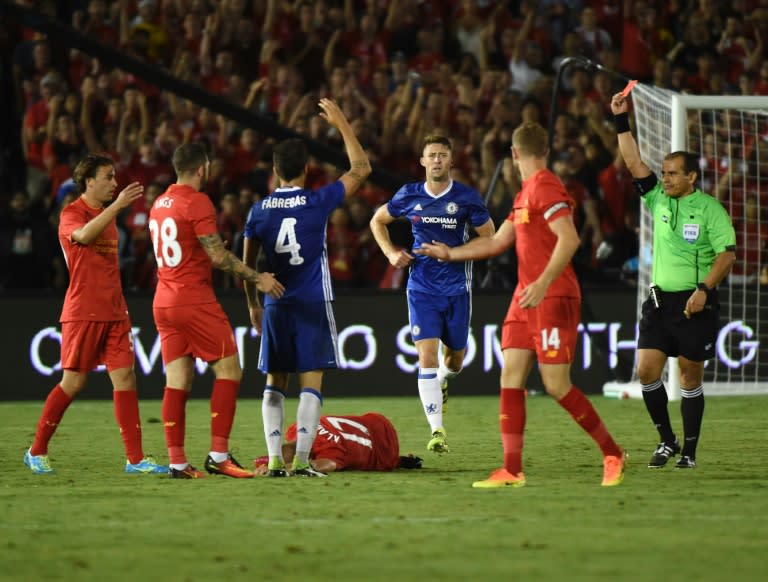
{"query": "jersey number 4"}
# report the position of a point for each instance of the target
(287, 243)
(167, 248)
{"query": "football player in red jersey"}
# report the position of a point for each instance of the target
(189, 319)
(95, 326)
(349, 443)
(541, 323)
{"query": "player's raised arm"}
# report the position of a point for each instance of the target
(97, 191)
(627, 144)
(360, 167)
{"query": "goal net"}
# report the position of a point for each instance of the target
(730, 135)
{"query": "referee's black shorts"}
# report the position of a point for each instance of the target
(667, 329)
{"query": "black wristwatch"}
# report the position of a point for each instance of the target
(703, 287)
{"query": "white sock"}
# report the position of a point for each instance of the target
(179, 466)
(218, 457)
(445, 373)
(307, 419)
(272, 414)
(431, 397)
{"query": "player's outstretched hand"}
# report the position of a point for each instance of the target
(619, 104)
(332, 113)
(129, 194)
(435, 250)
(266, 283)
(410, 462)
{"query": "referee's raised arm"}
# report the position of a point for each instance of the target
(627, 144)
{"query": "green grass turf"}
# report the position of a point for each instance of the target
(92, 522)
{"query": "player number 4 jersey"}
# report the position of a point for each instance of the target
(290, 225)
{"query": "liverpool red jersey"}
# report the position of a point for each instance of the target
(176, 219)
(541, 200)
(355, 443)
(95, 292)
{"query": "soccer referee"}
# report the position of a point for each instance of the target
(694, 248)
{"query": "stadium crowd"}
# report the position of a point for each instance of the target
(472, 70)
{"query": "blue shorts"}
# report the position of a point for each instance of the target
(437, 316)
(298, 337)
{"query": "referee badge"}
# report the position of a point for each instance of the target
(451, 208)
(691, 232)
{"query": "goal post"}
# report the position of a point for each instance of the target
(730, 136)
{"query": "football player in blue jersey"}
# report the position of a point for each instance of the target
(298, 330)
(439, 293)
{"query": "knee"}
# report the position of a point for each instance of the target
(454, 362)
(73, 387)
(229, 369)
(72, 383)
(648, 374)
(124, 379)
(690, 378)
(558, 390)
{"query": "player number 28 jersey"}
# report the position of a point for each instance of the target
(176, 220)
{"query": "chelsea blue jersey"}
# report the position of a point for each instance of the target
(290, 225)
(448, 218)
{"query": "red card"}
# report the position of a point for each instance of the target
(628, 88)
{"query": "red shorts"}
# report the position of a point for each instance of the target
(549, 329)
(202, 331)
(86, 344)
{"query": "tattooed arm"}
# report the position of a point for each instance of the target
(223, 259)
(360, 167)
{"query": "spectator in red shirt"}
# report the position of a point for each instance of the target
(146, 166)
(36, 131)
(636, 46)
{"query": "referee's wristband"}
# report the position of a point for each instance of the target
(621, 121)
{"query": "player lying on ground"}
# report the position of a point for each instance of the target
(349, 443)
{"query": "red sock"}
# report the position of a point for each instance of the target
(223, 404)
(174, 423)
(53, 409)
(512, 426)
(128, 420)
(582, 411)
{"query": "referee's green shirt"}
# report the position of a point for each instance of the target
(688, 233)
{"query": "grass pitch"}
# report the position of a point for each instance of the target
(92, 522)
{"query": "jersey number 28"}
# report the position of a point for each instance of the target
(167, 248)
